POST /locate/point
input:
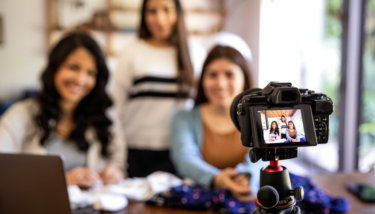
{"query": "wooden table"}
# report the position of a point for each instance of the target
(135, 208)
(142, 208)
(335, 184)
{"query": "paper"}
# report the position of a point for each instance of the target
(115, 197)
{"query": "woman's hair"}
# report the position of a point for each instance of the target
(232, 55)
(281, 118)
(90, 112)
(178, 39)
(276, 129)
(294, 127)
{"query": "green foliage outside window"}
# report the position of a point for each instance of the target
(332, 35)
(367, 126)
(333, 18)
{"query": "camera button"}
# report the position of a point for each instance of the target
(324, 126)
(323, 138)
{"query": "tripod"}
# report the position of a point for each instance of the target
(276, 194)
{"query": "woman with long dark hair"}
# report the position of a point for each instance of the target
(69, 116)
(274, 133)
(283, 126)
(292, 133)
(206, 146)
(154, 79)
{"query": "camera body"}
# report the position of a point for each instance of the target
(257, 114)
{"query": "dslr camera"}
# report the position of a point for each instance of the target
(257, 115)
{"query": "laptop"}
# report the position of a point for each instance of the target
(32, 184)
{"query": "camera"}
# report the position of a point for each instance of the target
(257, 114)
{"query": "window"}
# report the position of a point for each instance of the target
(366, 157)
(300, 42)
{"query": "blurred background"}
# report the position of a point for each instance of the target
(324, 45)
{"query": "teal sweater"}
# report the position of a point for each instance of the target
(186, 154)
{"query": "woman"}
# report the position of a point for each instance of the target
(153, 80)
(292, 134)
(274, 133)
(283, 126)
(69, 115)
(206, 146)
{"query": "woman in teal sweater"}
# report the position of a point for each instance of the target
(206, 146)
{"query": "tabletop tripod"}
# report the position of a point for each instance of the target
(276, 194)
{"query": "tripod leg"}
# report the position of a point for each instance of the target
(255, 211)
(296, 210)
(291, 210)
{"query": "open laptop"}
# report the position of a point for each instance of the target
(32, 184)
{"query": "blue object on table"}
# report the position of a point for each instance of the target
(199, 198)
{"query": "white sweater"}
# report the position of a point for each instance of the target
(19, 134)
(144, 87)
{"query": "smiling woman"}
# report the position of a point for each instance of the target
(74, 80)
(76, 77)
(69, 116)
(223, 80)
(206, 146)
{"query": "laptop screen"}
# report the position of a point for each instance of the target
(32, 184)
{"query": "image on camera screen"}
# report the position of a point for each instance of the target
(282, 126)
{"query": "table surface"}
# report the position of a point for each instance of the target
(333, 184)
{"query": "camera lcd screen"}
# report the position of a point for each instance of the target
(282, 126)
(285, 126)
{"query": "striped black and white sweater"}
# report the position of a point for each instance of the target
(144, 90)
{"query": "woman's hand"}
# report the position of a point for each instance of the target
(236, 183)
(111, 175)
(83, 177)
(243, 180)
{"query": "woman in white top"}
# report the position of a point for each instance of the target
(153, 80)
(274, 134)
(69, 116)
(283, 126)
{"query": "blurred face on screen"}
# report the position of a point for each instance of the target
(273, 125)
(290, 125)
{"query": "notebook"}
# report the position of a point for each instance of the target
(32, 184)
